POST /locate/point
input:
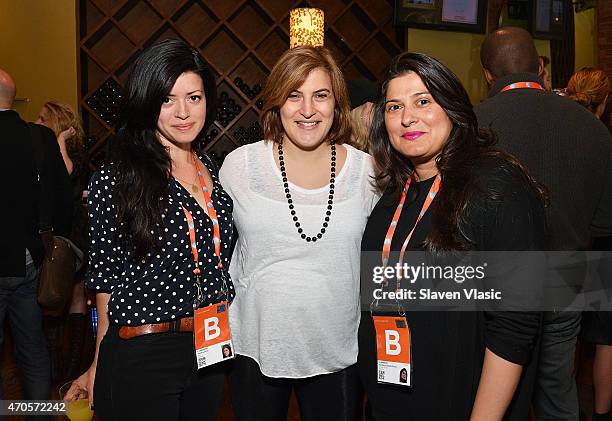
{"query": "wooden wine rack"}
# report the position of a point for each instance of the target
(240, 39)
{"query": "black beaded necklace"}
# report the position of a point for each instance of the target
(330, 202)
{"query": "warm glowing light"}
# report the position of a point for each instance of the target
(306, 27)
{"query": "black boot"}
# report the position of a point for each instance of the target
(52, 328)
(76, 329)
(601, 417)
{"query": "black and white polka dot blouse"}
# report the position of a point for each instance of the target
(161, 286)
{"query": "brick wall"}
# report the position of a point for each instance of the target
(604, 43)
(604, 34)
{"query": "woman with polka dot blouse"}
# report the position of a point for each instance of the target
(141, 262)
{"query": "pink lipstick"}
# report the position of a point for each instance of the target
(412, 135)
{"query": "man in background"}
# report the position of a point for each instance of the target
(566, 149)
(26, 224)
(544, 73)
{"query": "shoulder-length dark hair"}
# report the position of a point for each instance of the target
(142, 165)
(288, 74)
(457, 163)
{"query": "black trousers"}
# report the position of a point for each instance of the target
(255, 397)
(154, 378)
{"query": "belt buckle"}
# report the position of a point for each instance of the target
(174, 325)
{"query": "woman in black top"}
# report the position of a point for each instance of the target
(141, 262)
(465, 365)
(68, 129)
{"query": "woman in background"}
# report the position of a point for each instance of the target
(591, 87)
(362, 94)
(68, 129)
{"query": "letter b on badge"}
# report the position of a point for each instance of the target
(211, 328)
(393, 357)
(392, 339)
(392, 342)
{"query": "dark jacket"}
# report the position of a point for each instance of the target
(31, 187)
(54, 179)
(19, 191)
(565, 148)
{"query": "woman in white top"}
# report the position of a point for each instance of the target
(301, 202)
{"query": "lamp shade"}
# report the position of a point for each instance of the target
(306, 27)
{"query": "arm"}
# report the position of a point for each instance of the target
(494, 396)
(44, 203)
(60, 186)
(233, 165)
(371, 194)
(514, 223)
(86, 380)
(225, 178)
(62, 138)
(104, 268)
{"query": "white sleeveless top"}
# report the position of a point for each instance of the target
(296, 310)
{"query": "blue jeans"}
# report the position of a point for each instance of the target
(18, 302)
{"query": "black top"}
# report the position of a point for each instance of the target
(19, 188)
(34, 189)
(565, 148)
(55, 201)
(448, 347)
(161, 286)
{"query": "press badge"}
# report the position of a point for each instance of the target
(393, 352)
(212, 337)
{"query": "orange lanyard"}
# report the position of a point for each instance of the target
(523, 85)
(212, 213)
(435, 187)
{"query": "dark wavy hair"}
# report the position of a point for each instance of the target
(141, 164)
(466, 146)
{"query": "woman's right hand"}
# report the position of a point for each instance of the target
(84, 382)
(66, 134)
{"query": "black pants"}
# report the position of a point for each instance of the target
(154, 378)
(255, 397)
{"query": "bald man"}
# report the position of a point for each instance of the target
(19, 246)
(569, 151)
(7, 90)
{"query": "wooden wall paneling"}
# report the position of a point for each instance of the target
(242, 40)
(272, 47)
(92, 18)
(138, 20)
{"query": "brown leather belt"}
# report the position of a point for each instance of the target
(180, 325)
